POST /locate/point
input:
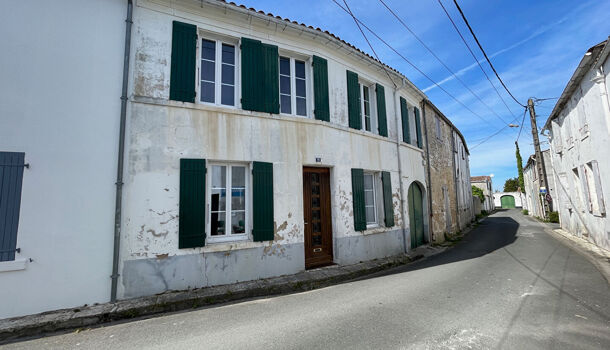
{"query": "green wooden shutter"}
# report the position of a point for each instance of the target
(353, 101)
(260, 89)
(388, 206)
(262, 193)
(418, 128)
(184, 53)
(404, 113)
(191, 222)
(358, 199)
(252, 92)
(381, 115)
(320, 89)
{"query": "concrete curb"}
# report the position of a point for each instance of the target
(12, 329)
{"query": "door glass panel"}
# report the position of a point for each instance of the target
(317, 227)
(315, 189)
(315, 215)
(315, 178)
(315, 202)
(316, 240)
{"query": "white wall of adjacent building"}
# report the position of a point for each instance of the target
(579, 142)
(61, 67)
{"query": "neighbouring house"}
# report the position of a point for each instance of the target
(508, 200)
(578, 129)
(449, 185)
(60, 90)
(533, 198)
(484, 183)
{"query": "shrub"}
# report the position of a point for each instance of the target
(554, 217)
(483, 212)
(525, 212)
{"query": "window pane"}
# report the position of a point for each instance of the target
(238, 177)
(219, 176)
(228, 74)
(208, 50)
(300, 86)
(368, 181)
(369, 198)
(228, 54)
(238, 222)
(207, 92)
(227, 93)
(219, 199)
(284, 66)
(238, 199)
(367, 123)
(301, 106)
(365, 93)
(217, 224)
(370, 215)
(285, 104)
(284, 85)
(299, 69)
(208, 71)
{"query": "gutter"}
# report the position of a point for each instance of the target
(402, 190)
(121, 155)
(429, 182)
(455, 178)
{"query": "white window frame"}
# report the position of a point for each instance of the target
(372, 105)
(377, 199)
(228, 237)
(293, 87)
(218, 40)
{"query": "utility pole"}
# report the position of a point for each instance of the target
(540, 168)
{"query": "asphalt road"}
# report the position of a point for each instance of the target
(507, 285)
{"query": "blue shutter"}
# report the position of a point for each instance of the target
(11, 177)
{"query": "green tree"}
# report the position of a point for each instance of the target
(511, 185)
(520, 168)
(478, 192)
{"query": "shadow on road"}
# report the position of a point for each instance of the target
(493, 233)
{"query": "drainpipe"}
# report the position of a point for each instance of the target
(455, 185)
(119, 174)
(402, 191)
(429, 184)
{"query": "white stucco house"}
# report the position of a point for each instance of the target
(579, 135)
(508, 200)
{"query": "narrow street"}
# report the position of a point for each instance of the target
(508, 284)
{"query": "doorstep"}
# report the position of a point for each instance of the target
(88, 316)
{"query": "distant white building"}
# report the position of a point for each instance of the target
(508, 200)
(579, 136)
(484, 183)
(533, 201)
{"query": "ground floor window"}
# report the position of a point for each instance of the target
(228, 210)
(370, 199)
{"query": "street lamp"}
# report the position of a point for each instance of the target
(513, 125)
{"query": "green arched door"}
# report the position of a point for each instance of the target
(507, 202)
(416, 215)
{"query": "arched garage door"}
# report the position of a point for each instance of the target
(507, 202)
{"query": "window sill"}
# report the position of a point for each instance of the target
(15, 265)
(375, 230)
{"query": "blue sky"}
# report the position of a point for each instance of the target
(534, 45)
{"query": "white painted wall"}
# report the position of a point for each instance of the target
(61, 67)
(486, 187)
(161, 132)
(579, 135)
(498, 198)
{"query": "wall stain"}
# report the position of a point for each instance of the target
(162, 256)
(160, 234)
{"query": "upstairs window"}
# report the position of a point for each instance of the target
(218, 70)
(367, 106)
(293, 86)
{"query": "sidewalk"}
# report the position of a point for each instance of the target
(89, 316)
(598, 256)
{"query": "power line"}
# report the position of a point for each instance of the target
(409, 62)
(368, 42)
(484, 54)
(439, 60)
(522, 121)
(475, 58)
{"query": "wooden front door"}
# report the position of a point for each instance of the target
(316, 207)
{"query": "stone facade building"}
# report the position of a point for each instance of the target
(579, 136)
(449, 175)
